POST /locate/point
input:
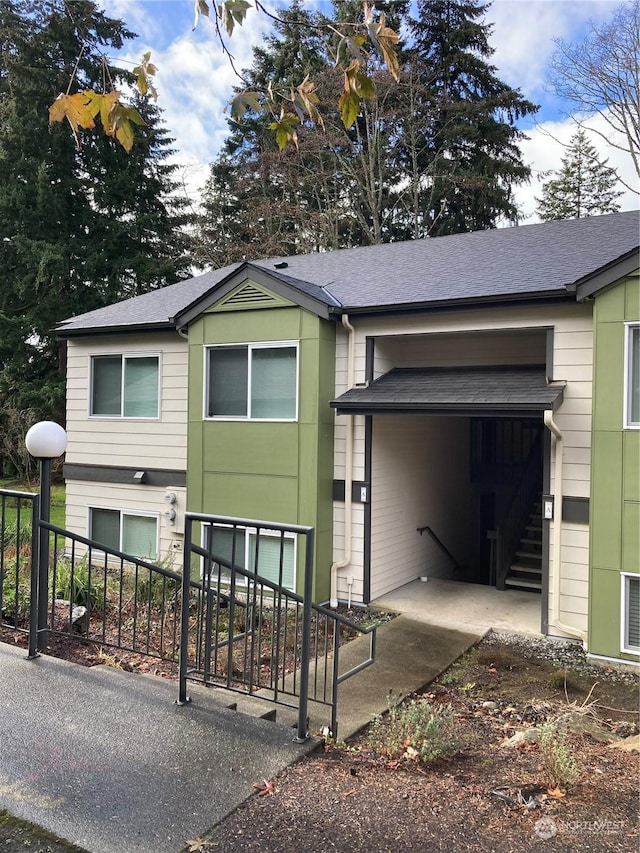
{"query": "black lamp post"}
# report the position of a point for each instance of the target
(45, 441)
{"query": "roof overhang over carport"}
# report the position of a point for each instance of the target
(464, 391)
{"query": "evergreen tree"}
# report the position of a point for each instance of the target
(584, 185)
(79, 228)
(468, 115)
(435, 153)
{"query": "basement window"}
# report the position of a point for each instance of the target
(126, 532)
(268, 553)
(630, 617)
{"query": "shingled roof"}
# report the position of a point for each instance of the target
(527, 262)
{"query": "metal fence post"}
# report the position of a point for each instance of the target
(183, 699)
(43, 553)
(35, 571)
(305, 658)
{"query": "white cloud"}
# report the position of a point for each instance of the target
(547, 145)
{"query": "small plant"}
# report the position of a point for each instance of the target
(559, 764)
(416, 729)
(108, 659)
(72, 583)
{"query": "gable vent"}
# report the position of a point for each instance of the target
(249, 294)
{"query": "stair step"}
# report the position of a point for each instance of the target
(530, 570)
(521, 583)
(535, 542)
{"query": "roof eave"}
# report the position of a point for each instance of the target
(590, 285)
(457, 304)
(140, 328)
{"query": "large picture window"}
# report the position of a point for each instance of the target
(132, 534)
(252, 381)
(630, 640)
(632, 376)
(271, 555)
(125, 386)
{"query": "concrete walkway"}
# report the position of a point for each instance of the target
(106, 760)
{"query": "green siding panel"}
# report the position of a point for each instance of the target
(278, 324)
(268, 471)
(249, 447)
(632, 302)
(251, 496)
(606, 527)
(631, 468)
(631, 537)
(604, 616)
(608, 377)
(615, 472)
(610, 303)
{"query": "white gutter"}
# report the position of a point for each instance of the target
(348, 468)
(557, 531)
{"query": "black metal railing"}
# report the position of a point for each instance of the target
(249, 633)
(18, 551)
(426, 529)
(104, 596)
(219, 620)
(517, 509)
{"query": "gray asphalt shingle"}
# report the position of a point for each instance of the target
(513, 263)
(437, 388)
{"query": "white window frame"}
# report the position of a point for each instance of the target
(628, 423)
(125, 356)
(625, 577)
(264, 532)
(135, 513)
(251, 347)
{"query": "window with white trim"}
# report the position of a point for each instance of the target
(632, 375)
(630, 621)
(252, 382)
(125, 531)
(125, 386)
(271, 555)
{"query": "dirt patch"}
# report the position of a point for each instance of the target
(485, 797)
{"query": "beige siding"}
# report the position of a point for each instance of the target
(417, 471)
(129, 442)
(160, 443)
(458, 338)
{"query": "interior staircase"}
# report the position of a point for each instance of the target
(525, 570)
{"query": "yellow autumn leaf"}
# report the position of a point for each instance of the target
(75, 109)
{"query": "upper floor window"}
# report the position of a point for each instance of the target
(252, 381)
(125, 386)
(632, 376)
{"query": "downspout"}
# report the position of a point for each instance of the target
(557, 530)
(348, 469)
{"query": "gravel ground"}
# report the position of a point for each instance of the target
(566, 653)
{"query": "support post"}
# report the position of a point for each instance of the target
(43, 553)
(305, 660)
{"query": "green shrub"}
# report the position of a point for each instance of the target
(72, 584)
(559, 764)
(417, 729)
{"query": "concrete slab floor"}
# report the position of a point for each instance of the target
(466, 606)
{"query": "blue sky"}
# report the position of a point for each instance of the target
(195, 80)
